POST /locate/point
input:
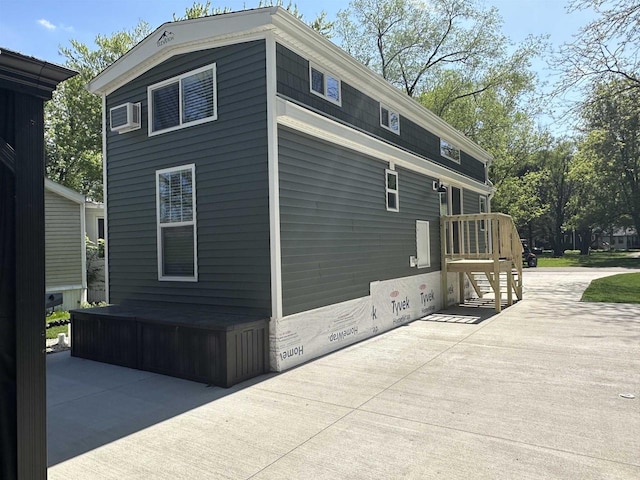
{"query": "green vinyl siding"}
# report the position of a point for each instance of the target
(336, 233)
(362, 112)
(231, 174)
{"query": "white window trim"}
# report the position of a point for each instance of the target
(326, 73)
(193, 222)
(458, 160)
(388, 127)
(420, 261)
(391, 190)
(178, 80)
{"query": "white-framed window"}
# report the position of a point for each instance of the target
(325, 84)
(482, 208)
(449, 151)
(176, 221)
(391, 182)
(186, 100)
(423, 244)
(389, 119)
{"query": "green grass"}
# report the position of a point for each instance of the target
(595, 259)
(622, 288)
(54, 331)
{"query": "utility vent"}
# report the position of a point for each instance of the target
(125, 117)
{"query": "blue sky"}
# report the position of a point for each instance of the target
(39, 27)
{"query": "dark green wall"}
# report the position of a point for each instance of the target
(363, 112)
(232, 189)
(336, 233)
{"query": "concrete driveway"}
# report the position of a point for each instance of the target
(533, 392)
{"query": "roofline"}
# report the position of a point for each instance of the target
(243, 25)
(63, 191)
(31, 72)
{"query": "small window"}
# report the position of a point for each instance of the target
(101, 228)
(390, 119)
(449, 151)
(176, 220)
(189, 99)
(392, 190)
(423, 244)
(325, 85)
(444, 202)
(482, 209)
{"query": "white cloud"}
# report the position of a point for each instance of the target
(47, 24)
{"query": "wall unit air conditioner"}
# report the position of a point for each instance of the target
(125, 117)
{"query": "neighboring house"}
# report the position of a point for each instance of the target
(65, 247)
(621, 239)
(254, 167)
(94, 223)
(94, 215)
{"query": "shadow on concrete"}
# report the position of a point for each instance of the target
(90, 404)
(473, 312)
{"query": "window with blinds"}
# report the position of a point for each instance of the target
(176, 221)
(183, 101)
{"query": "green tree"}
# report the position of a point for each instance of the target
(605, 48)
(411, 43)
(73, 129)
(596, 204)
(556, 190)
(612, 126)
(320, 24)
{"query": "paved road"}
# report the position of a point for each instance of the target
(531, 393)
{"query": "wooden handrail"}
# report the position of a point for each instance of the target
(489, 236)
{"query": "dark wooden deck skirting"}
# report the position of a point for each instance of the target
(191, 342)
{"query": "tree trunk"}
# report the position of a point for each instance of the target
(584, 241)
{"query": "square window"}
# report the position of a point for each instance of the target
(189, 99)
(325, 85)
(390, 119)
(449, 151)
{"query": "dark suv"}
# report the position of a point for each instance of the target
(528, 257)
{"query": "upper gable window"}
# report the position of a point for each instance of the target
(189, 99)
(449, 151)
(325, 84)
(390, 119)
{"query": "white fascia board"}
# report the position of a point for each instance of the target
(63, 191)
(174, 38)
(304, 120)
(314, 47)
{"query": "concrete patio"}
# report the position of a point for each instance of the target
(533, 392)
